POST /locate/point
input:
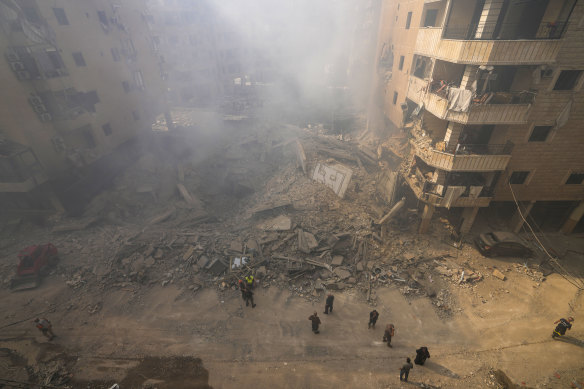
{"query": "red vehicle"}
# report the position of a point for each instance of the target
(33, 263)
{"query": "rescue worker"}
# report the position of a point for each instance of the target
(373, 316)
(421, 355)
(315, 322)
(45, 326)
(389, 332)
(248, 297)
(562, 326)
(329, 304)
(250, 282)
(404, 372)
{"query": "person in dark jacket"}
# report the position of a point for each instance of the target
(45, 326)
(389, 332)
(248, 297)
(421, 355)
(329, 304)
(404, 372)
(373, 316)
(242, 289)
(315, 322)
(562, 326)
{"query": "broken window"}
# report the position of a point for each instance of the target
(61, 16)
(575, 179)
(394, 98)
(567, 79)
(518, 177)
(540, 133)
(401, 62)
(102, 18)
(107, 129)
(430, 19)
(79, 60)
(116, 54)
(408, 20)
(81, 138)
(138, 79)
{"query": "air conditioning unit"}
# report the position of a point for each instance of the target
(40, 108)
(11, 56)
(35, 100)
(23, 75)
(46, 117)
(17, 66)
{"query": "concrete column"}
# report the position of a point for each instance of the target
(574, 218)
(469, 215)
(469, 76)
(426, 218)
(451, 137)
(488, 20)
(517, 221)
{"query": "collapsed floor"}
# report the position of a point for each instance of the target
(198, 202)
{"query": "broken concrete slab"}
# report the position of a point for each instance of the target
(216, 266)
(76, 225)
(161, 217)
(499, 275)
(272, 208)
(342, 273)
(337, 260)
(306, 242)
(236, 246)
(337, 177)
(188, 253)
(360, 266)
(300, 156)
(279, 223)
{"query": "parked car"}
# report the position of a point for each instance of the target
(502, 244)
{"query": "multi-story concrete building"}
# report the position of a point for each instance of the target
(79, 81)
(490, 92)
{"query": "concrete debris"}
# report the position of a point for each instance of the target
(342, 273)
(279, 223)
(336, 177)
(337, 260)
(306, 242)
(499, 275)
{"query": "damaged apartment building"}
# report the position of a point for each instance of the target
(489, 93)
(79, 81)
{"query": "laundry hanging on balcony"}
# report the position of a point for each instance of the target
(459, 99)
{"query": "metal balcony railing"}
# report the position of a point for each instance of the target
(504, 31)
(440, 88)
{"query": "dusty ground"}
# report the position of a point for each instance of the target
(117, 322)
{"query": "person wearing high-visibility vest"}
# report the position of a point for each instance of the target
(250, 281)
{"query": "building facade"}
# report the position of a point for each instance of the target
(79, 81)
(490, 93)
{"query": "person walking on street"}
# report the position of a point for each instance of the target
(329, 304)
(315, 322)
(389, 332)
(250, 282)
(562, 326)
(405, 370)
(248, 297)
(45, 326)
(421, 355)
(373, 316)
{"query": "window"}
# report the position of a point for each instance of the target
(102, 18)
(116, 54)
(430, 20)
(61, 17)
(135, 115)
(540, 133)
(408, 20)
(518, 178)
(394, 98)
(138, 79)
(107, 129)
(575, 179)
(401, 62)
(79, 60)
(126, 86)
(567, 79)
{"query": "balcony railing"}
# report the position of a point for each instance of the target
(473, 196)
(505, 31)
(458, 47)
(468, 158)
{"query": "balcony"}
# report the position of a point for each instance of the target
(498, 108)
(473, 196)
(455, 46)
(468, 158)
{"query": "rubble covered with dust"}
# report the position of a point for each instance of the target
(296, 207)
